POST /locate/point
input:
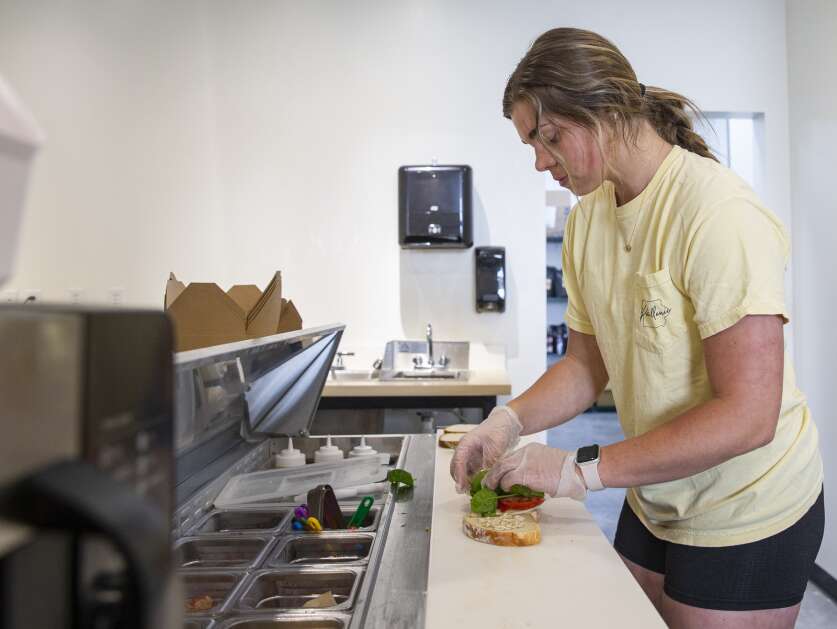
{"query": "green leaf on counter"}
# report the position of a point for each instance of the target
(484, 502)
(400, 477)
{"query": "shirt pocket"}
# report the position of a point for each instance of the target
(658, 312)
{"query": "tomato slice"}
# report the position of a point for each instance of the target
(518, 503)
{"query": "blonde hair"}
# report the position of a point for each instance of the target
(582, 76)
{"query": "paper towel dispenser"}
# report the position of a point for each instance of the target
(435, 207)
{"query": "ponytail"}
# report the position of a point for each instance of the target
(668, 114)
(584, 77)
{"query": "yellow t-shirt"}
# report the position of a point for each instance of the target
(705, 253)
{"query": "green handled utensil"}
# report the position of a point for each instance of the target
(361, 513)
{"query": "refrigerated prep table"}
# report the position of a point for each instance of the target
(408, 566)
(244, 566)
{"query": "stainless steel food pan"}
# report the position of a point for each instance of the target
(285, 590)
(227, 551)
(316, 620)
(370, 523)
(322, 549)
(242, 521)
(218, 586)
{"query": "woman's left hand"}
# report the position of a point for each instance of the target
(541, 468)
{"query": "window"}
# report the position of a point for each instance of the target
(735, 139)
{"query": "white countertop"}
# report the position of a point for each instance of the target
(480, 382)
(487, 364)
(573, 578)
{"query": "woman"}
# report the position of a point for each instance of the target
(674, 272)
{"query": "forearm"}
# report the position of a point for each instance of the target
(693, 442)
(564, 391)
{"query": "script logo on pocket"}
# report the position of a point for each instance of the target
(653, 313)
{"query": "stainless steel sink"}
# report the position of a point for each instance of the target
(353, 375)
(411, 360)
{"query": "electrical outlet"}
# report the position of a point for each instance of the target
(31, 295)
(9, 297)
(75, 295)
(117, 296)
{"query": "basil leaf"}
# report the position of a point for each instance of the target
(400, 477)
(523, 490)
(476, 481)
(484, 502)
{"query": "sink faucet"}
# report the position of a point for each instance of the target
(430, 345)
(339, 363)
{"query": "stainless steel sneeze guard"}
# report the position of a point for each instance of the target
(230, 396)
(245, 567)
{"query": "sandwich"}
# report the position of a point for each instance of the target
(508, 519)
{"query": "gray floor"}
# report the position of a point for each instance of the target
(818, 611)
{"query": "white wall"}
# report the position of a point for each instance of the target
(812, 83)
(223, 140)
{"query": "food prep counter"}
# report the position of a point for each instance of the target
(479, 382)
(480, 391)
(573, 578)
(408, 565)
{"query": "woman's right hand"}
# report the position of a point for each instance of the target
(484, 445)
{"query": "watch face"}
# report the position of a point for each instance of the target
(587, 454)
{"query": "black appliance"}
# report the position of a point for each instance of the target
(555, 283)
(491, 279)
(435, 207)
(556, 339)
(86, 482)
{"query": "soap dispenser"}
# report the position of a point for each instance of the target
(328, 453)
(290, 456)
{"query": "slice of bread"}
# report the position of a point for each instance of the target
(503, 530)
(448, 440)
(459, 428)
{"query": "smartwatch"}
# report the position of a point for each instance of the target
(587, 459)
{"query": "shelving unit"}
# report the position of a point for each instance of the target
(558, 201)
(555, 306)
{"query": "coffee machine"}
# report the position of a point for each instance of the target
(86, 469)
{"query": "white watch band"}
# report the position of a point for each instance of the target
(590, 472)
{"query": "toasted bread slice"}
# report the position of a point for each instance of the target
(459, 428)
(448, 440)
(503, 530)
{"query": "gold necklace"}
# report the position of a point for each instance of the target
(631, 237)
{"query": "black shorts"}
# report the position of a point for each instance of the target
(767, 574)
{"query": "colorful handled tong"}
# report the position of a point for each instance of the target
(361, 513)
(304, 520)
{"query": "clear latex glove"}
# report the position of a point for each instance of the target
(484, 445)
(541, 468)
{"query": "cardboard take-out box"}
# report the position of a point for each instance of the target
(204, 315)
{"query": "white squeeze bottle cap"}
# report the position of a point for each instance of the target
(328, 453)
(290, 456)
(363, 449)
